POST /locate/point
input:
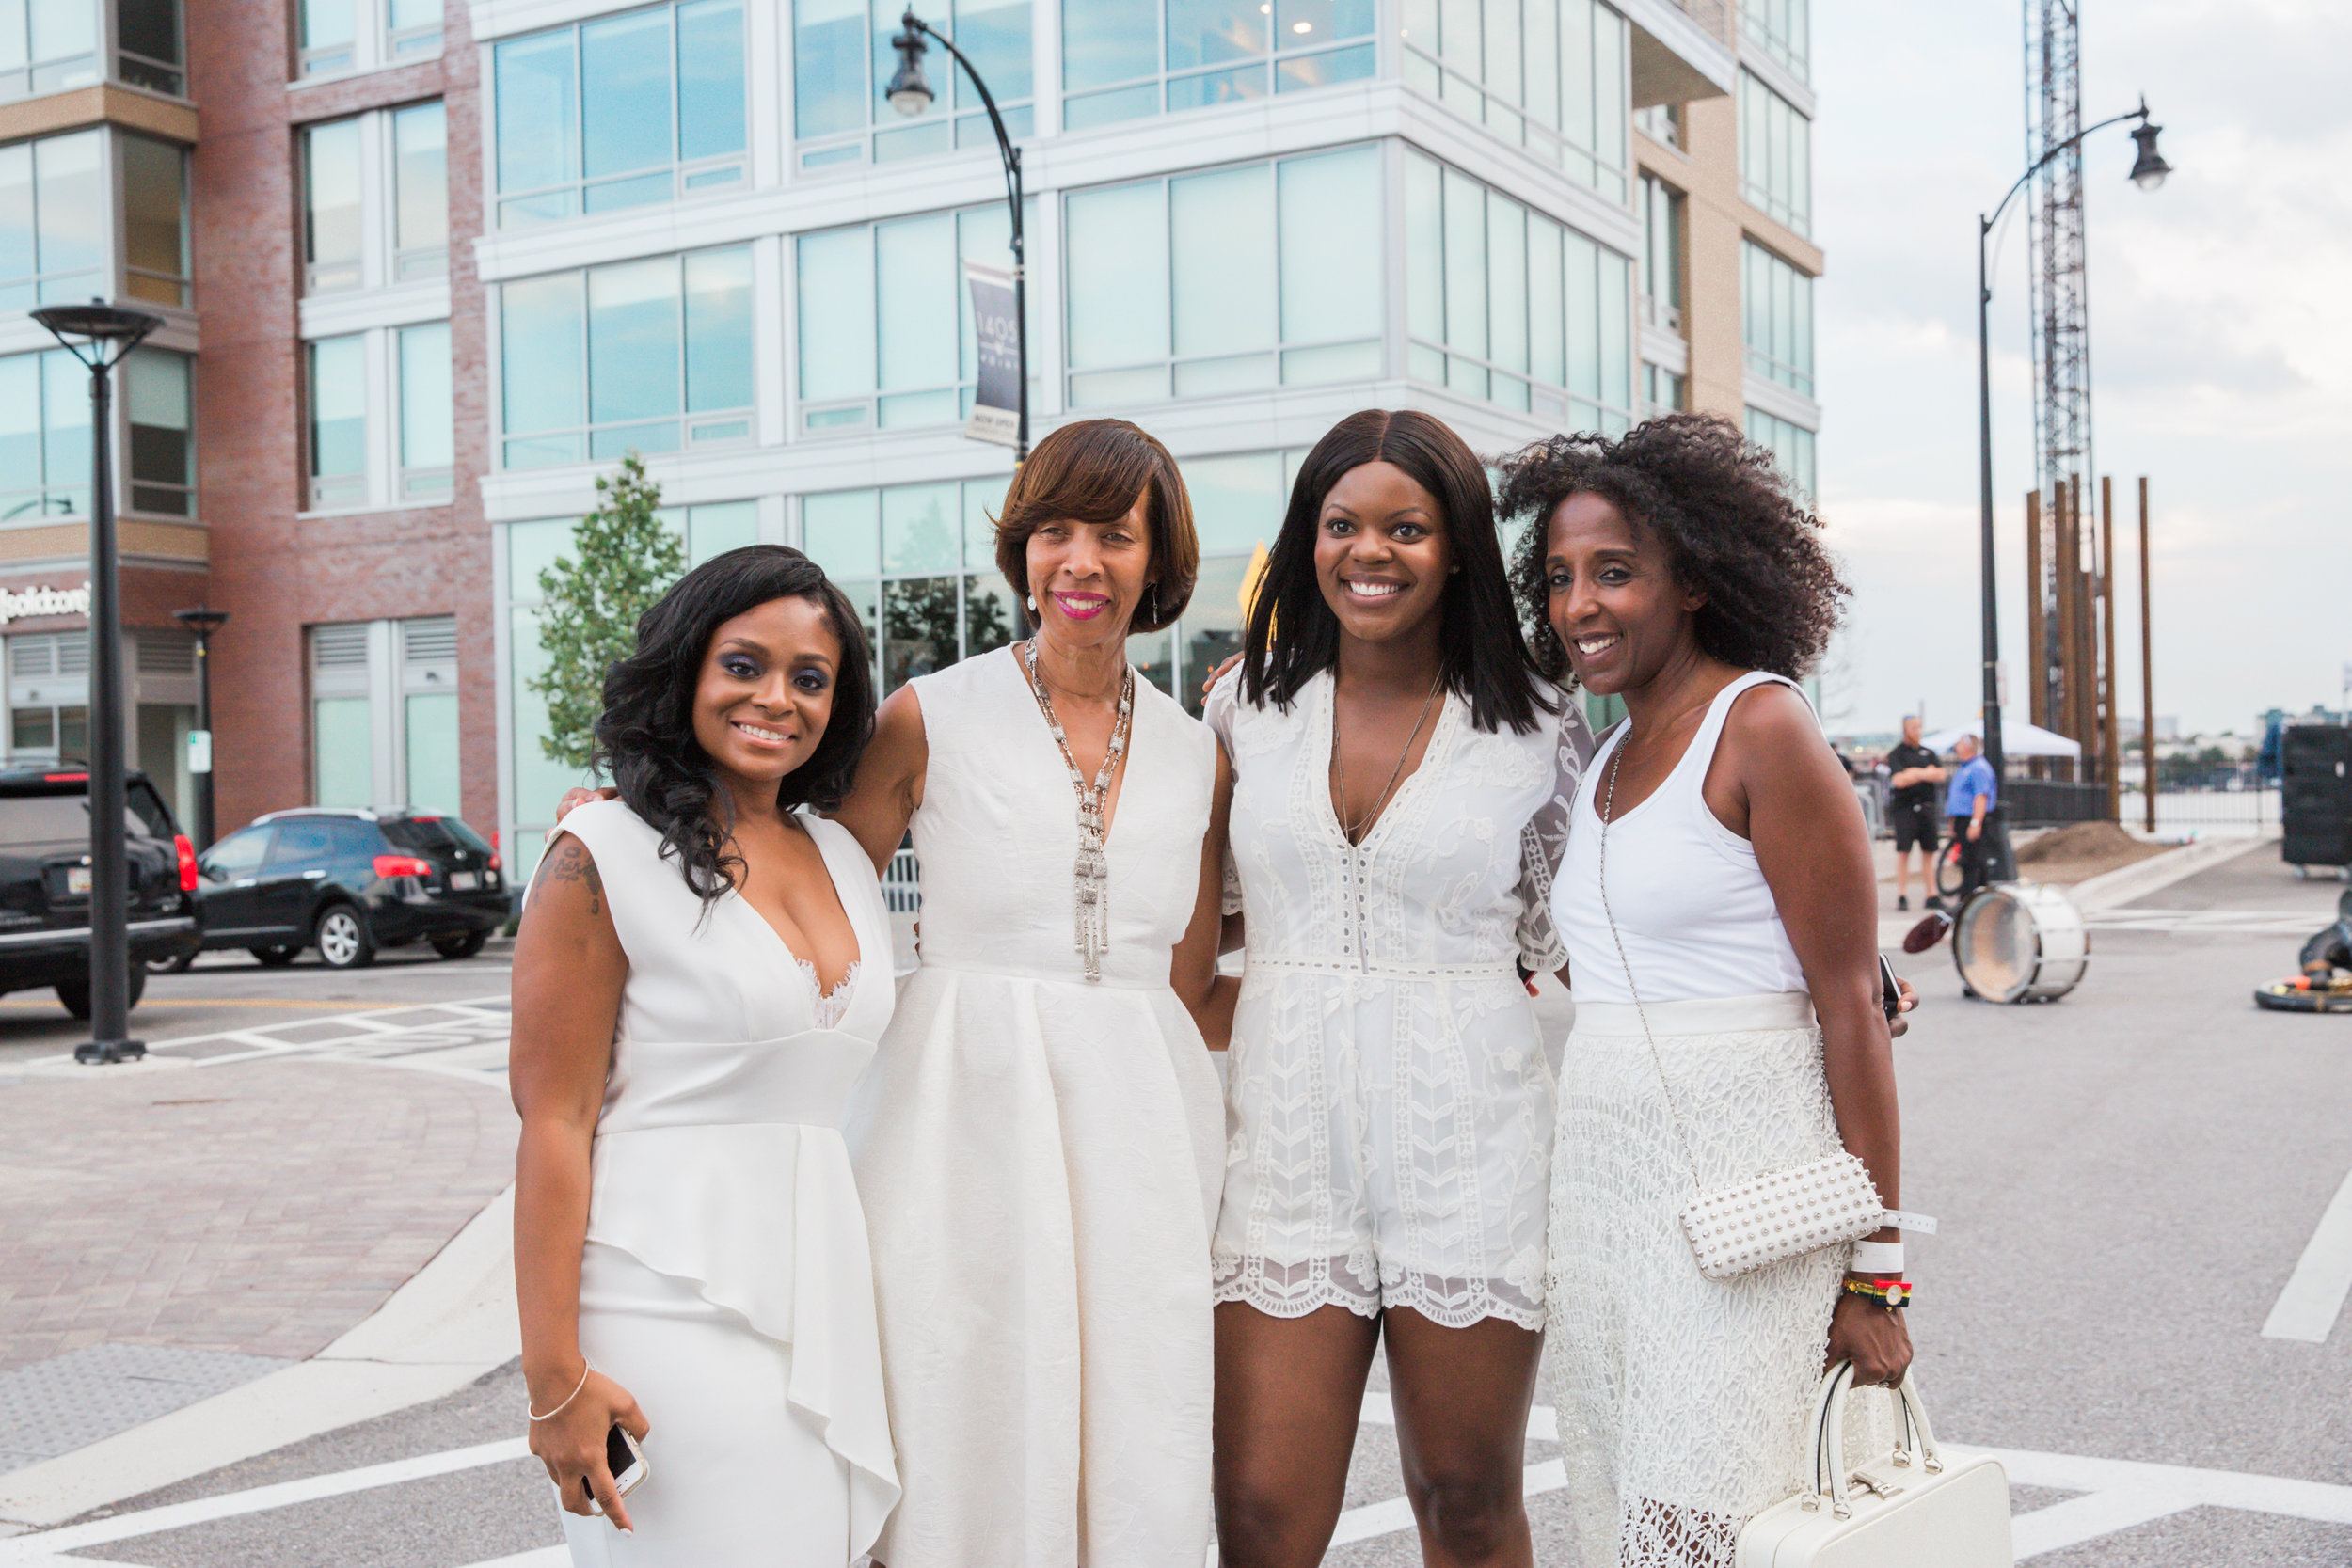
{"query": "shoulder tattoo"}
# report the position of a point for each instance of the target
(571, 862)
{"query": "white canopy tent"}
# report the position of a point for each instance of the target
(2018, 739)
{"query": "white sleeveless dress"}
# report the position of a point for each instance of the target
(726, 1281)
(1681, 1398)
(1040, 1156)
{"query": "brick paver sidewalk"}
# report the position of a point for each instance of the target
(262, 1207)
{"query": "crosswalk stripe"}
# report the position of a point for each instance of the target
(2307, 1310)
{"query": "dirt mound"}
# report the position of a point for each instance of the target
(2084, 841)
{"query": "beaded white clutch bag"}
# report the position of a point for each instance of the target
(1783, 1214)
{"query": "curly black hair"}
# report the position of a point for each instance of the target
(645, 738)
(1736, 532)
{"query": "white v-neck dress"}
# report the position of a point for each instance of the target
(726, 1281)
(1040, 1156)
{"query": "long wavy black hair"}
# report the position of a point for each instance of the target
(1730, 520)
(645, 738)
(1486, 663)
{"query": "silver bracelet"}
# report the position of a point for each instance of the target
(584, 1370)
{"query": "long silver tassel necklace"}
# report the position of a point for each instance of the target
(1091, 876)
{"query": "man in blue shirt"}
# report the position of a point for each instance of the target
(1971, 795)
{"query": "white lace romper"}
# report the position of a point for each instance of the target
(1389, 1109)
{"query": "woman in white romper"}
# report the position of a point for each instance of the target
(1401, 783)
(702, 975)
(1718, 899)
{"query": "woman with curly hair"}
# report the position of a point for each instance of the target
(1717, 906)
(704, 974)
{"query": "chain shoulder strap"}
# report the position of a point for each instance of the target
(1608, 810)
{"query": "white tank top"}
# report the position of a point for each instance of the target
(1698, 919)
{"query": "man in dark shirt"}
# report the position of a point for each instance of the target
(1913, 773)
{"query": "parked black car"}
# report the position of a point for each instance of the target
(349, 882)
(45, 883)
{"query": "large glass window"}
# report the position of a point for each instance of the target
(1660, 276)
(330, 206)
(146, 37)
(1549, 76)
(54, 221)
(337, 427)
(329, 38)
(919, 561)
(1122, 59)
(1791, 445)
(160, 407)
(44, 436)
(885, 319)
(420, 191)
(650, 356)
(1775, 155)
(644, 106)
(1255, 276)
(1782, 29)
(47, 45)
(427, 457)
(842, 60)
(1503, 303)
(155, 220)
(1776, 318)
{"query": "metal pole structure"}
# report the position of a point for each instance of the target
(202, 623)
(2147, 668)
(100, 326)
(2111, 742)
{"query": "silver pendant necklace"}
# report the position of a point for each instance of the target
(1338, 774)
(1091, 874)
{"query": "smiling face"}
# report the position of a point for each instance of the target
(1090, 577)
(765, 694)
(1611, 596)
(1381, 553)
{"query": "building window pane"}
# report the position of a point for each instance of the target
(719, 331)
(1107, 42)
(44, 436)
(538, 120)
(1659, 279)
(158, 402)
(1221, 229)
(633, 344)
(54, 221)
(1547, 76)
(542, 367)
(427, 454)
(916, 340)
(625, 77)
(1329, 214)
(1777, 310)
(1126, 58)
(710, 79)
(49, 45)
(343, 752)
(836, 314)
(330, 30)
(1775, 155)
(1115, 242)
(338, 423)
(429, 738)
(413, 27)
(1782, 28)
(421, 190)
(715, 529)
(330, 205)
(155, 220)
(828, 66)
(1791, 445)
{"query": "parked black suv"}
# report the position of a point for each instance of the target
(45, 883)
(350, 882)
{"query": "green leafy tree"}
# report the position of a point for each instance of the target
(624, 558)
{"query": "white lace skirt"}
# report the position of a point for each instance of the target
(1681, 1400)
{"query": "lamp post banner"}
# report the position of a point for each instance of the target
(996, 330)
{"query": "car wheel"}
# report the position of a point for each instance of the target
(173, 966)
(342, 937)
(76, 995)
(464, 946)
(279, 956)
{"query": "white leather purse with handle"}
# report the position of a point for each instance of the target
(1908, 1508)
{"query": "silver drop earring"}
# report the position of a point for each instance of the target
(1033, 604)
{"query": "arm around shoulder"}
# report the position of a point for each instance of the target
(889, 786)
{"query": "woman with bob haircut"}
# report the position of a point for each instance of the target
(702, 975)
(1401, 782)
(1039, 1143)
(1718, 905)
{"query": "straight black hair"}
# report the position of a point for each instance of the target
(1486, 660)
(645, 738)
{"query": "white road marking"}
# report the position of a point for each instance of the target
(2087, 1517)
(2307, 1310)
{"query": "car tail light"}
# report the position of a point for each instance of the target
(187, 862)
(390, 866)
(497, 864)
(65, 777)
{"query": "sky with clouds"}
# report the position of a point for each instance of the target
(2221, 343)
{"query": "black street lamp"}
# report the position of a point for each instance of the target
(203, 623)
(910, 94)
(100, 335)
(2148, 172)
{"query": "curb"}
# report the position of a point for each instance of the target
(451, 1322)
(2142, 878)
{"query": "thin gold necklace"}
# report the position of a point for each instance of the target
(1338, 774)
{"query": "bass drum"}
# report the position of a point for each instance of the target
(2020, 941)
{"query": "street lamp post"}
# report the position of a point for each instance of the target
(100, 335)
(910, 94)
(2148, 172)
(202, 623)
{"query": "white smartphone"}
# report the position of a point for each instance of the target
(625, 1459)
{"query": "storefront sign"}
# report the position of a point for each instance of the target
(996, 394)
(17, 604)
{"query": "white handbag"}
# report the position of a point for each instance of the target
(1909, 1506)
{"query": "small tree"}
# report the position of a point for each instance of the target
(624, 558)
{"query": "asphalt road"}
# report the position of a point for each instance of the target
(2126, 1180)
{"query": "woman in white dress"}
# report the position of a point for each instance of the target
(701, 976)
(1718, 899)
(1038, 1142)
(1401, 785)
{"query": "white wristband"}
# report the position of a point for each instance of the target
(1878, 1258)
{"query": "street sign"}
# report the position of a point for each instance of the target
(200, 751)
(996, 330)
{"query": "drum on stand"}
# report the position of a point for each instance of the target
(2020, 941)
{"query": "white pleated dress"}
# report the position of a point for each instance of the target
(1040, 1156)
(726, 1281)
